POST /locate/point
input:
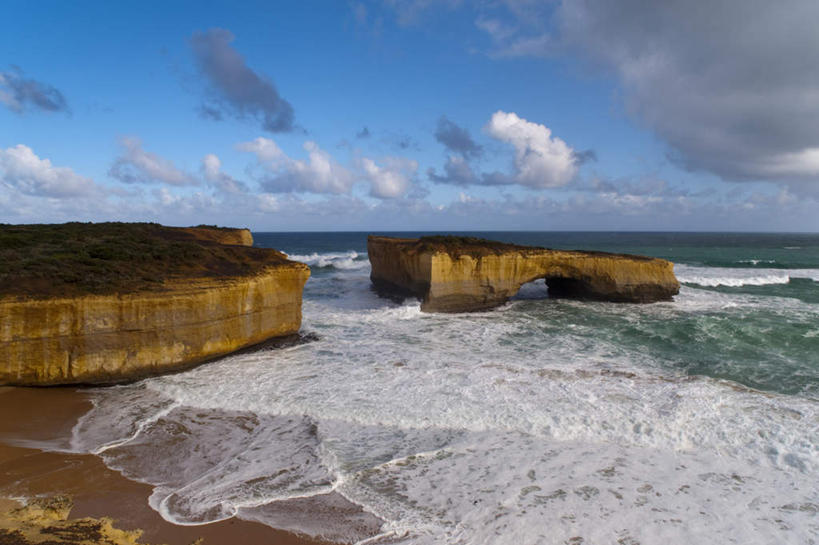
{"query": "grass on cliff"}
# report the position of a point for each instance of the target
(480, 246)
(103, 258)
(471, 245)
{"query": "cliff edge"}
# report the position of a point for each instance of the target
(100, 303)
(222, 235)
(460, 274)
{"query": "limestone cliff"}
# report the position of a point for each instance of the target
(451, 274)
(221, 235)
(206, 300)
(109, 338)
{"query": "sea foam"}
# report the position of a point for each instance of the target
(535, 424)
(349, 260)
(735, 277)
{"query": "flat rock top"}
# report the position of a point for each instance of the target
(476, 247)
(72, 259)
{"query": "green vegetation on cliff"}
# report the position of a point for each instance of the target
(480, 246)
(104, 258)
(469, 245)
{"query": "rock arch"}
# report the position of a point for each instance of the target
(457, 274)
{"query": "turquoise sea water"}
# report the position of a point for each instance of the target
(765, 336)
(543, 421)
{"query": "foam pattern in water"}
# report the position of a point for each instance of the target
(544, 421)
(350, 260)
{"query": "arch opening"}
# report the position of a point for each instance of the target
(532, 290)
(546, 287)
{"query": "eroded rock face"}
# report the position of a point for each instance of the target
(46, 521)
(222, 235)
(111, 338)
(451, 274)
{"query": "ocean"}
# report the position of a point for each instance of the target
(542, 421)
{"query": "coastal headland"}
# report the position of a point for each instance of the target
(110, 302)
(462, 274)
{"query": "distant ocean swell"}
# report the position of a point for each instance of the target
(735, 277)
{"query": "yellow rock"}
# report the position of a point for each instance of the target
(450, 274)
(45, 520)
(110, 338)
(222, 235)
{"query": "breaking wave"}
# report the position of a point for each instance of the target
(349, 260)
(735, 277)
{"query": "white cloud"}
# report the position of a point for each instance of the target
(23, 170)
(267, 202)
(211, 166)
(212, 171)
(618, 204)
(137, 166)
(540, 160)
(801, 164)
(391, 180)
(320, 173)
(265, 149)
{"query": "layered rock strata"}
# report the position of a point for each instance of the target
(110, 338)
(49, 339)
(454, 274)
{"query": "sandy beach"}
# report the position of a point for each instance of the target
(35, 415)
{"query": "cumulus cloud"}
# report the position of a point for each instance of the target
(320, 173)
(137, 166)
(612, 204)
(732, 87)
(456, 139)
(19, 93)
(389, 178)
(392, 179)
(22, 170)
(265, 149)
(541, 160)
(238, 89)
(212, 171)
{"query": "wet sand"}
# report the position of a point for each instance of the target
(32, 415)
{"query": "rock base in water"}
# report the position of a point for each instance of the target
(459, 274)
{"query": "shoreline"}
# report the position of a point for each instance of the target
(33, 415)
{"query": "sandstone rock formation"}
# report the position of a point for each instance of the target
(46, 521)
(455, 274)
(221, 235)
(111, 337)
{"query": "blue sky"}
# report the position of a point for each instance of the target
(416, 114)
